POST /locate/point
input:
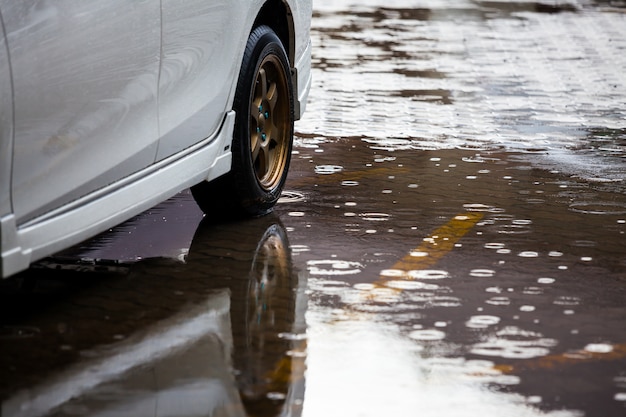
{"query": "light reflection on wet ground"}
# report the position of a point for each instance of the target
(524, 301)
(545, 78)
(453, 234)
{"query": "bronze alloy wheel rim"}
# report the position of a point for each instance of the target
(269, 123)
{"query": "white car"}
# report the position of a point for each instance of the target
(109, 107)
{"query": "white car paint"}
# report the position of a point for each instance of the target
(107, 108)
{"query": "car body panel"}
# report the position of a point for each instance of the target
(83, 86)
(6, 125)
(197, 69)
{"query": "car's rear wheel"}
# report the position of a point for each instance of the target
(263, 134)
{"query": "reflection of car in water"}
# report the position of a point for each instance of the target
(268, 319)
(107, 108)
(220, 335)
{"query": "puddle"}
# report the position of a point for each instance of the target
(505, 115)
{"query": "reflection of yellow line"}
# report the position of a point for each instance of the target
(565, 359)
(439, 243)
(429, 252)
(433, 247)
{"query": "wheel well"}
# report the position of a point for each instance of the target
(277, 15)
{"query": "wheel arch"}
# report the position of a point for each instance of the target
(277, 15)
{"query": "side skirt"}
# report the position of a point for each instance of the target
(105, 208)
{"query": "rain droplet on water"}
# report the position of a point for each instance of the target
(482, 322)
(392, 273)
(427, 335)
(375, 216)
(328, 169)
(599, 348)
(412, 285)
(513, 342)
(499, 301)
(528, 254)
(364, 287)
(482, 273)
(334, 267)
(494, 245)
(428, 274)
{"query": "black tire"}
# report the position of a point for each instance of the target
(263, 135)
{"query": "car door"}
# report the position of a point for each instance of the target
(6, 127)
(85, 77)
(202, 51)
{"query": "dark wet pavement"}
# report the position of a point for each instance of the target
(452, 242)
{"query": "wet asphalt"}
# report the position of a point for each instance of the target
(451, 242)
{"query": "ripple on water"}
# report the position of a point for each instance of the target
(514, 343)
(565, 300)
(428, 274)
(375, 216)
(291, 197)
(482, 273)
(499, 301)
(533, 290)
(364, 286)
(393, 273)
(328, 169)
(299, 248)
(427, 334)
(599, 207)
(411, 285)
(513, 229)
(444, 301)
(599, 348)
(385, 295)
(334, 267)
(482, 321)
(390, 144)
(477, 207)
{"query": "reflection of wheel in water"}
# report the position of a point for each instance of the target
(252, 258)
(269, 311)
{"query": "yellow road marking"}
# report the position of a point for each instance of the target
(439, 243)
(432, 249)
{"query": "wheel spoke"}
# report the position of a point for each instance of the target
(276, 133)
(255, 144)
(272, 96)
(262, 80)
(265, 158)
